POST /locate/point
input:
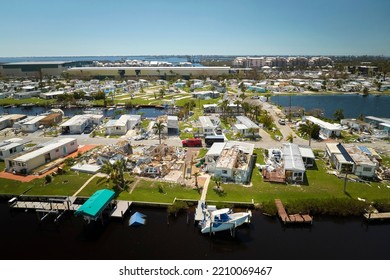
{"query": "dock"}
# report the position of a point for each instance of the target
(373, 214)
(120, 209)
(199, 215)
(58, 206)
(291, 219)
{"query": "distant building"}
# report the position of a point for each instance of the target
(9, 120)
(11, 147)
(246, 127)
(78, 123)
(122, 125)
(45, 153)
(327, 130)
(35, 69)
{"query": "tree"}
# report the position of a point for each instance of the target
(158, 128)
(290, 138)
(237, 103)
(267, 120)
(116, 173)
(310, 130)
(224, 107)
(339, 114)
(253, 131)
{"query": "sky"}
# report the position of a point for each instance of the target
(198, 27)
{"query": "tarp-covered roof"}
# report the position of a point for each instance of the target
(96, 203)
(137, 219)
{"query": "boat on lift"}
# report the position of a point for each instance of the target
(223, 219)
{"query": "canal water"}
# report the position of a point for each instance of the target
(352, 104)
(265, 238)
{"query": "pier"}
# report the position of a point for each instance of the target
(291, 219)
(120, 209)
(45, 206)
(373, 214)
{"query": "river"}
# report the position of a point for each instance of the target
(352, 104)
(265, 238)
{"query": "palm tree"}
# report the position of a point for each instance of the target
(309, 129)
(253, 131)
(224, 106)
(158, 128)
(237, 103)
(339, 114)
(115, 172)
(290, 138)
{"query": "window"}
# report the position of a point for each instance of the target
(57, 150)
(72, 143)
(224, 172)
(367, 169)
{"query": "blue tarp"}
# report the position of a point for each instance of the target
(137, 219)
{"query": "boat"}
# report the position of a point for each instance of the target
(222, 219)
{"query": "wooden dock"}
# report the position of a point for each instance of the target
(377, 216)
(199, 215)
(48, 205)
(120, 209)
(291, 219)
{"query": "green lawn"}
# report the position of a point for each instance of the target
(320, 186)
(66, 184)
(145, 190)
(34, 100)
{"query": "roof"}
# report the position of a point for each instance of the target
(333, 148)
(7, 145)
(247, 122)
(80, 119)
(378, 119)
(341, 159)
(216, 149)
(306, 152)
(96, 203)
(206, 122)
(34, 120)
(137, 219)
(37, 63)
(240, 126)
(292, 158)
(323, 124)
(49, 146)
(357, 155)
(245, 147)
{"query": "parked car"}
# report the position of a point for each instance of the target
(194, 142)
(282, 121)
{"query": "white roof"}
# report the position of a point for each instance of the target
(240, 126)
(306, 152)
(292, 158)
(385, 124)
(333, 148)
(206, 122)
(53, 93)
(80, 119)
(247, 122)
(123, 120)
(49, 146)
(215, 149)
(34, 120)
(323, 124)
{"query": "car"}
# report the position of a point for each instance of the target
(282, 121)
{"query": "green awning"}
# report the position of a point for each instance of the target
(96, 203)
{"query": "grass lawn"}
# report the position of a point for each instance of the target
(154, 191)
(66, 184)
(145, 190)
(320, 186)
(35, 100)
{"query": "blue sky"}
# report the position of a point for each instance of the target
(226, 27)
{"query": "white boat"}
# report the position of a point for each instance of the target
(222, 219)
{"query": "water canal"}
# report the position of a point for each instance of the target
(265, 238)
(352, 104)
